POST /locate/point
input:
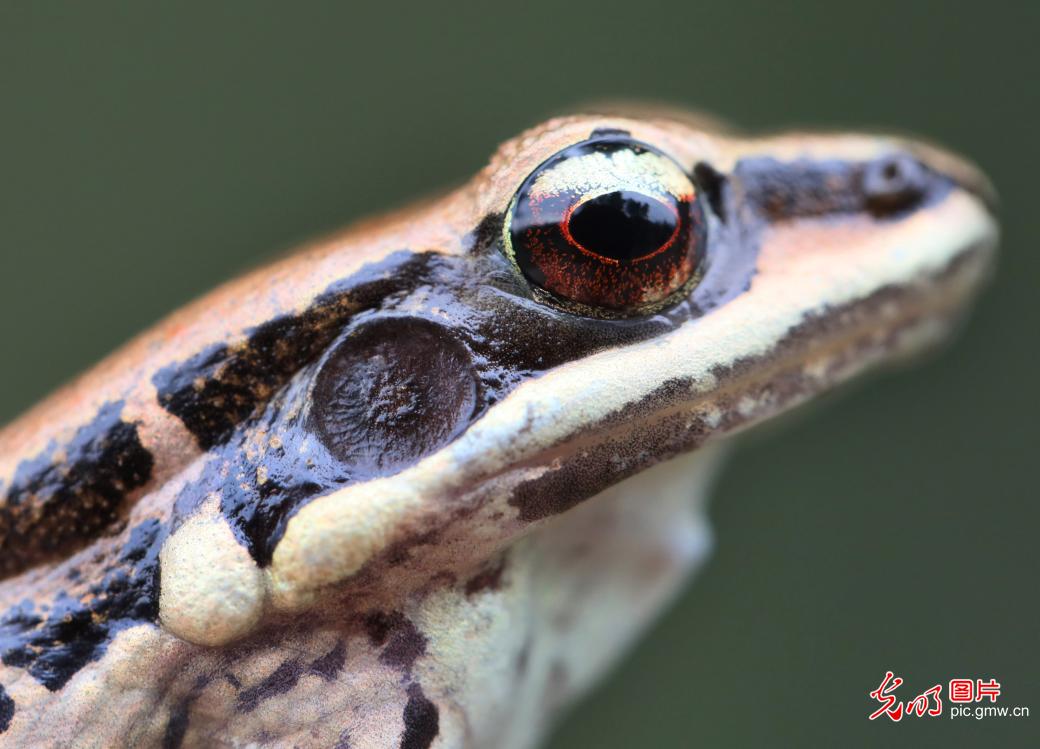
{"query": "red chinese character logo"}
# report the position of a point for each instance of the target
(895, 709)
(962, 690)
(919, 705)
(883, 694)
(989, 689)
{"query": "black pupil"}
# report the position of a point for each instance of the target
(622, 225)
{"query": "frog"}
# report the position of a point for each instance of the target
(424, 481)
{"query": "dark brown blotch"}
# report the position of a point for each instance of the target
(487, 579)
(177, 725)
(180, 716)
(6, 709)
(401, 640)
(284, 678)
(279, 681)
(421, 720)
(65, 497)
(54, 641)
(601, 466)
(329, 665)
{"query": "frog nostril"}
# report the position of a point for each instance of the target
(894, 183)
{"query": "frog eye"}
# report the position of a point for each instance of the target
(607, 227)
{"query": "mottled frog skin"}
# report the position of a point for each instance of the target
(420, 484)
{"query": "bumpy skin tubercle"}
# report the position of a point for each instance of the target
(403, 490)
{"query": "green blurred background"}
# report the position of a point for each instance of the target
(146, 155)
